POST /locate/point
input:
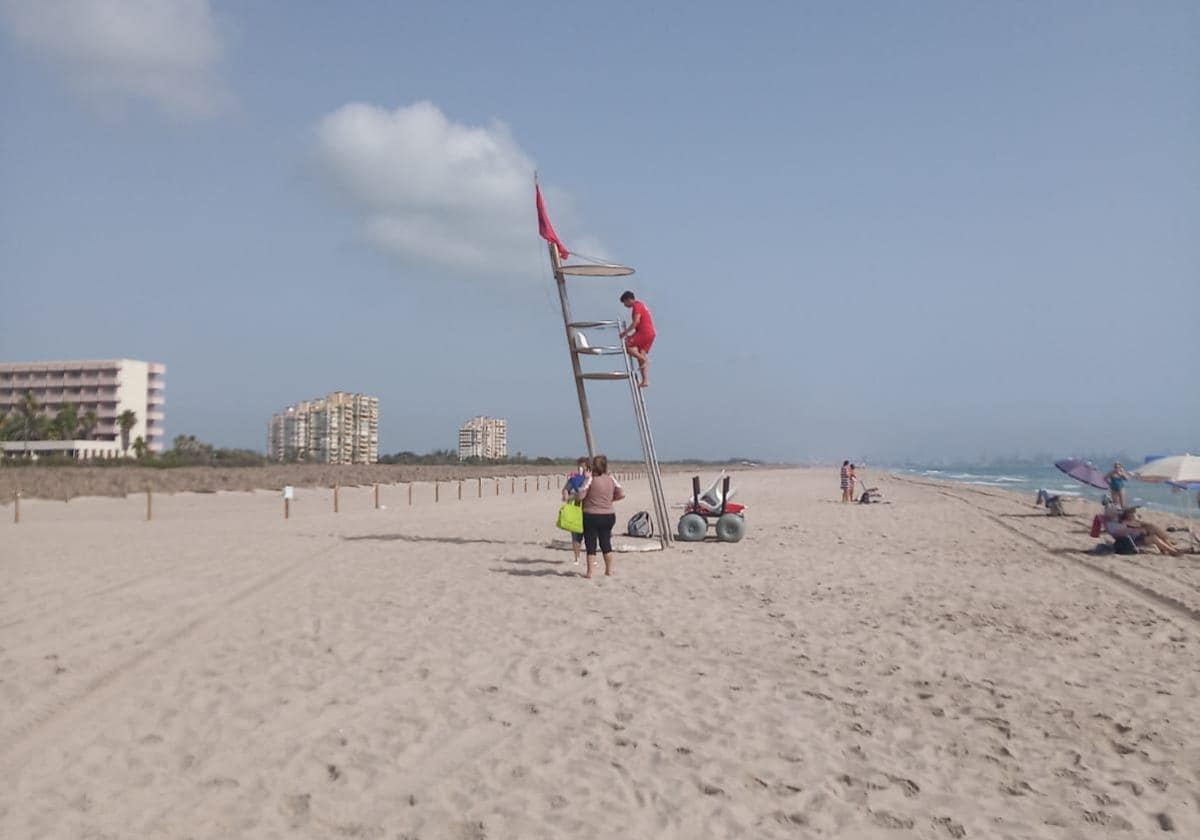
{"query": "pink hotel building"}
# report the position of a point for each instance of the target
(105, 387)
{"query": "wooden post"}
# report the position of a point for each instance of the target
(437, 491)
(376, 497)
(287, 508)
(481, 487)
(584, 414)
(335, 498)
(410, 493)
(513, 490)
(526, 490)
(497, 487)
(17, 507)
(460, 489)
(149, 506)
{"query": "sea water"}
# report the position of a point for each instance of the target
(1027, 479)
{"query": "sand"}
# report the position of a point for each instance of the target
(948, 665)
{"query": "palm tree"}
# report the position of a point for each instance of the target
(87, 426)
(66, 422)
(139, 447)
(126, 420)
(30, 409)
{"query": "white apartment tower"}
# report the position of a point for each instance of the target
(107, 388)
(341, 428)
(483, 437)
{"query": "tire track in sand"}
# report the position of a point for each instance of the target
(15, 736)
(1154, 598)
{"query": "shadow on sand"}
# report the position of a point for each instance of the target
(1036, 516)
(538, 573)
(413, 538)
(531, 561)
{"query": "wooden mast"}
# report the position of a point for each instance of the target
(584, 413)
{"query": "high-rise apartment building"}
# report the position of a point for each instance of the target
(106, 388)
(338, 429)
(483, 437)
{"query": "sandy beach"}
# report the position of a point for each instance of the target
(950, 664)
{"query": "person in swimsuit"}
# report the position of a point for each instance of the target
(845, 481)
(639, 335)
(1116, 483)
(1154, 535)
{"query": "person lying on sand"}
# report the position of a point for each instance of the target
(1154, 535)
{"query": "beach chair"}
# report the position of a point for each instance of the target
(1120, 531)
(715, 494)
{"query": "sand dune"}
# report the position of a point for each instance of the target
(943, 666)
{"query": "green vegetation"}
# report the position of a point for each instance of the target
(30, 422)
(448, 457)
(126, 420)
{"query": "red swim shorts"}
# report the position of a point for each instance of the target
(640, 341)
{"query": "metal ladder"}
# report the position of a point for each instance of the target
(661, 514)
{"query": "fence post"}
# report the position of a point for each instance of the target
(287, 508)
(460, 489)
(335, 498)
(497, 487)
(481, 487)
(149, 506)
(17, 507)
(410, 493)
(513, 490)
(376, 497)
(526, 490)
(437, 490)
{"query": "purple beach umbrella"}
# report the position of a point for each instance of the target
(1083, 471)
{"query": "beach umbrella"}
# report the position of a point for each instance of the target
(1178, 469)
(1083, 471)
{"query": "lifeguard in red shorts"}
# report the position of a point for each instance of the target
(639, 335)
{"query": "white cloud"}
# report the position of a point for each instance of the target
(164, 51)
(434, 190)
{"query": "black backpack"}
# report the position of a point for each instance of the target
(640, 525)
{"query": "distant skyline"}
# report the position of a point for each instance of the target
(940, 231)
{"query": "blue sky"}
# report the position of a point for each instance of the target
(875, 231)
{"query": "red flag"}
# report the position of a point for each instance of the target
(546, 229)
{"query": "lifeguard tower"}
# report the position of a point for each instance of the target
(602, 338)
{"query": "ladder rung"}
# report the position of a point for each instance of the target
(616, 374)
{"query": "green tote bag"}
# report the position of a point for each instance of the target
(570, 518)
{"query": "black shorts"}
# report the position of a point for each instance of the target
(597, 530)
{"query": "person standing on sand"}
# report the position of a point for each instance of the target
(570, 491)
(845, 481)
(851, 477)
(599, 492)
(639, 335)
(1116, 479)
